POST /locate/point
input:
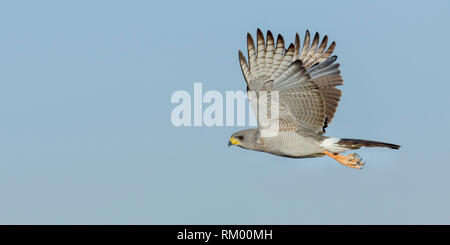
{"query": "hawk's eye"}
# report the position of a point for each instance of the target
(240, 137)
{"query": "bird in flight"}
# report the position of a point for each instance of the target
(305, 81)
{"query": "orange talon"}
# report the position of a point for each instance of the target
(352, 160)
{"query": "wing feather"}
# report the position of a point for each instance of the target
(312, 50)
(269, 53)
(261, 51)
(251, 55)
(244, 67)
(278, 57)
(305, 46)
(297, 47)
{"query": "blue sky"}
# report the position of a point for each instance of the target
(86, 137)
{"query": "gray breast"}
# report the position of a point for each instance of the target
(292, 144)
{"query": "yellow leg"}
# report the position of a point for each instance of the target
(352, 160)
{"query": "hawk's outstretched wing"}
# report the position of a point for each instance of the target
(306, 80)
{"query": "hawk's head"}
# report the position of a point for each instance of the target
(247, 138)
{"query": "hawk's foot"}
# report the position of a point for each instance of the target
(352, 160)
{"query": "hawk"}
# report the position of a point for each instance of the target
(305, 80)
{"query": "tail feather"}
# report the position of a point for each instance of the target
(357, 143)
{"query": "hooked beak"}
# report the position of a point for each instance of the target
(233, 141)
